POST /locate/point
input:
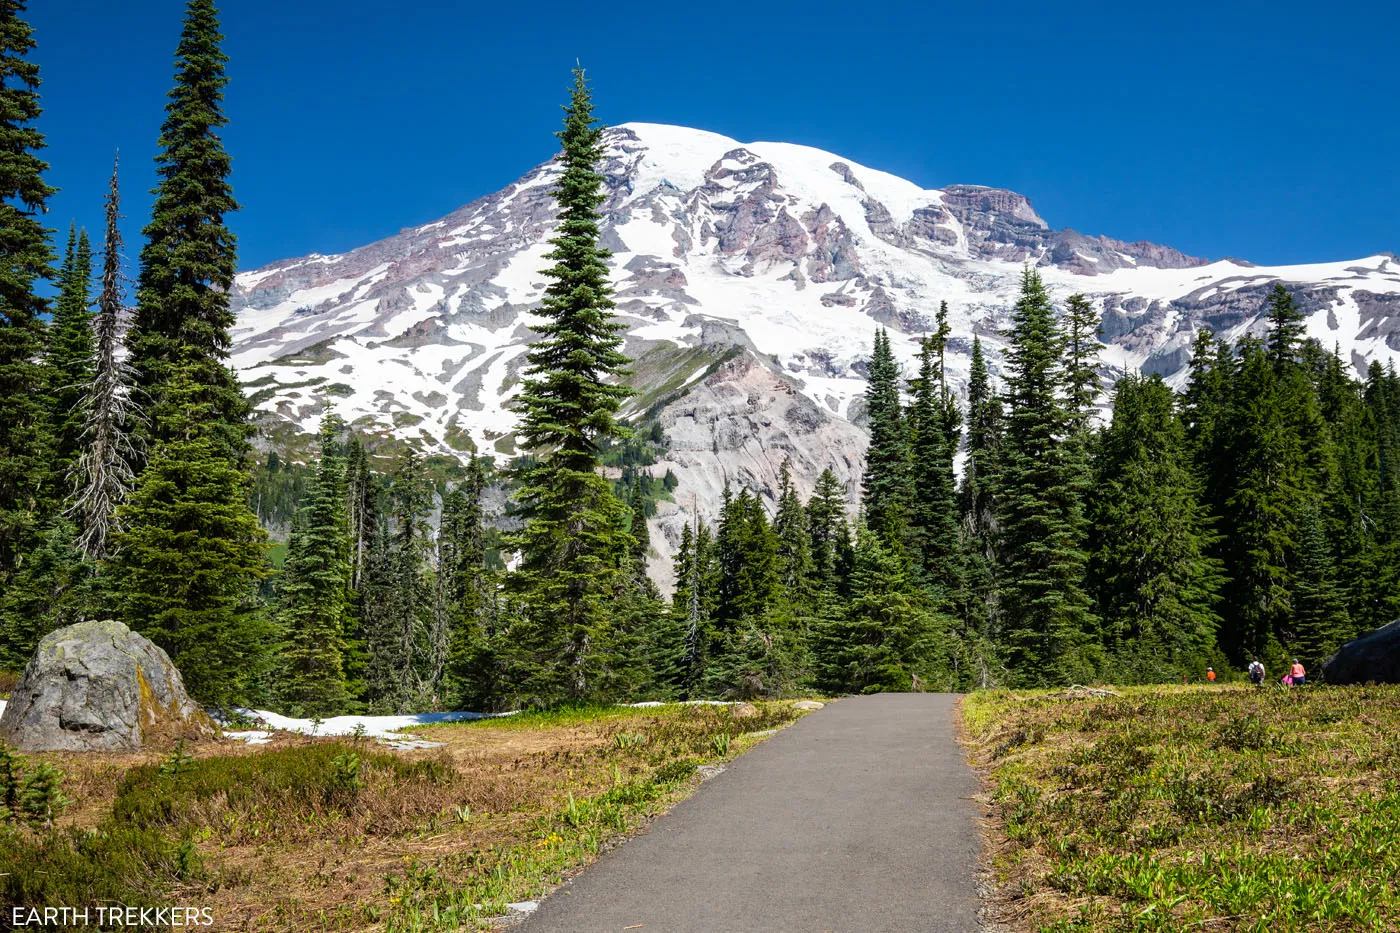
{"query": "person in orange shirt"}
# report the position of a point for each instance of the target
(1298, 673)
(1210, 674)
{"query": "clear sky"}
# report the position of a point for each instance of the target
(1267, 131)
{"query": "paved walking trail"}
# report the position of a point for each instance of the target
(855, 820)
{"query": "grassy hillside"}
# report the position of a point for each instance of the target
(345, 834)
(1193, 808)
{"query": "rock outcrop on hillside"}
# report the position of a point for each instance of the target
(98, 686)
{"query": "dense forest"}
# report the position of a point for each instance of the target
(1255, 514)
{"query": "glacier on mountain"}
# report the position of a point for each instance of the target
(751, 277)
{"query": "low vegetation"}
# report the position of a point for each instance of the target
(346, 834)
(1183, 808)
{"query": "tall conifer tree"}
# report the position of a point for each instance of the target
(70, 352)
(885, 486)
(192, 552)
(1049, 622)
(25, 255)
(1156, 585)
(188, 262)
(314, 588)
(105, 469)
(573, 541)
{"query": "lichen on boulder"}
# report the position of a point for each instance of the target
(98, 686)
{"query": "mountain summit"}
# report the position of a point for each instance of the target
(751, 277)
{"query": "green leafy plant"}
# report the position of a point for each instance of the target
(720, 743)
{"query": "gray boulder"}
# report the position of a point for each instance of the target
(98, 686)
(1372, 658)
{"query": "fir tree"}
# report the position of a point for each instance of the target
(1286, 327)
(883, 640)
(188, 262)
(1320, 623)
(573, 541)
(933, 507)
(885, 486)
(314, 588)
(1081, 354)
(1155, 583)
(70, 352)
(794, 542)
(1204, 411)
(690, 606)
(462, 583)
(1048, 615)
(25, 253)
(403, 662)
(640, 546)
(1263, 459)
(826, 522)
(746, 551)
(977, 497)
(105, 469)
(192, 552)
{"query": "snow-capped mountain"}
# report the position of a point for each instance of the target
(751, 277)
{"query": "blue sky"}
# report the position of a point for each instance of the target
(1264, 131)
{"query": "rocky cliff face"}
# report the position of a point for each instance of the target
(785, 255)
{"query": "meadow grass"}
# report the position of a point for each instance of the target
(1193, 808)
(343, 834)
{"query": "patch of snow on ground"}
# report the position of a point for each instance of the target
(385, 728)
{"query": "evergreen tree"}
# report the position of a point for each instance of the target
(463, 583)
(105, 469)
(1204, 411)
(640, 546)
(404, 661)
(826, 522)
(1286, 327)
(1081, 354)
(1155, 583)
(977, 498)
(1048, 615)
(1263, 458)
(189, 559)
(794, 542)
(70, 352)
(690, 606)
(53, 587)
(1320, 622)
(362, 497)
(885, 486)
(573, 541)
(314, 589)
(188, 262)
(933, 440)
(747, 554)
(25, 254)
(883, 640)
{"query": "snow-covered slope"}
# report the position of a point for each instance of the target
(790, 254)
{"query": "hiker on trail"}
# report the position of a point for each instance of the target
(1299, 675)
(1210, 674)
(1256, 673)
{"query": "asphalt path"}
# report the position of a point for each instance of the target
(857, 819)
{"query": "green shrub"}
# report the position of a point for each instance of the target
(41, 799)
(673, 772)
